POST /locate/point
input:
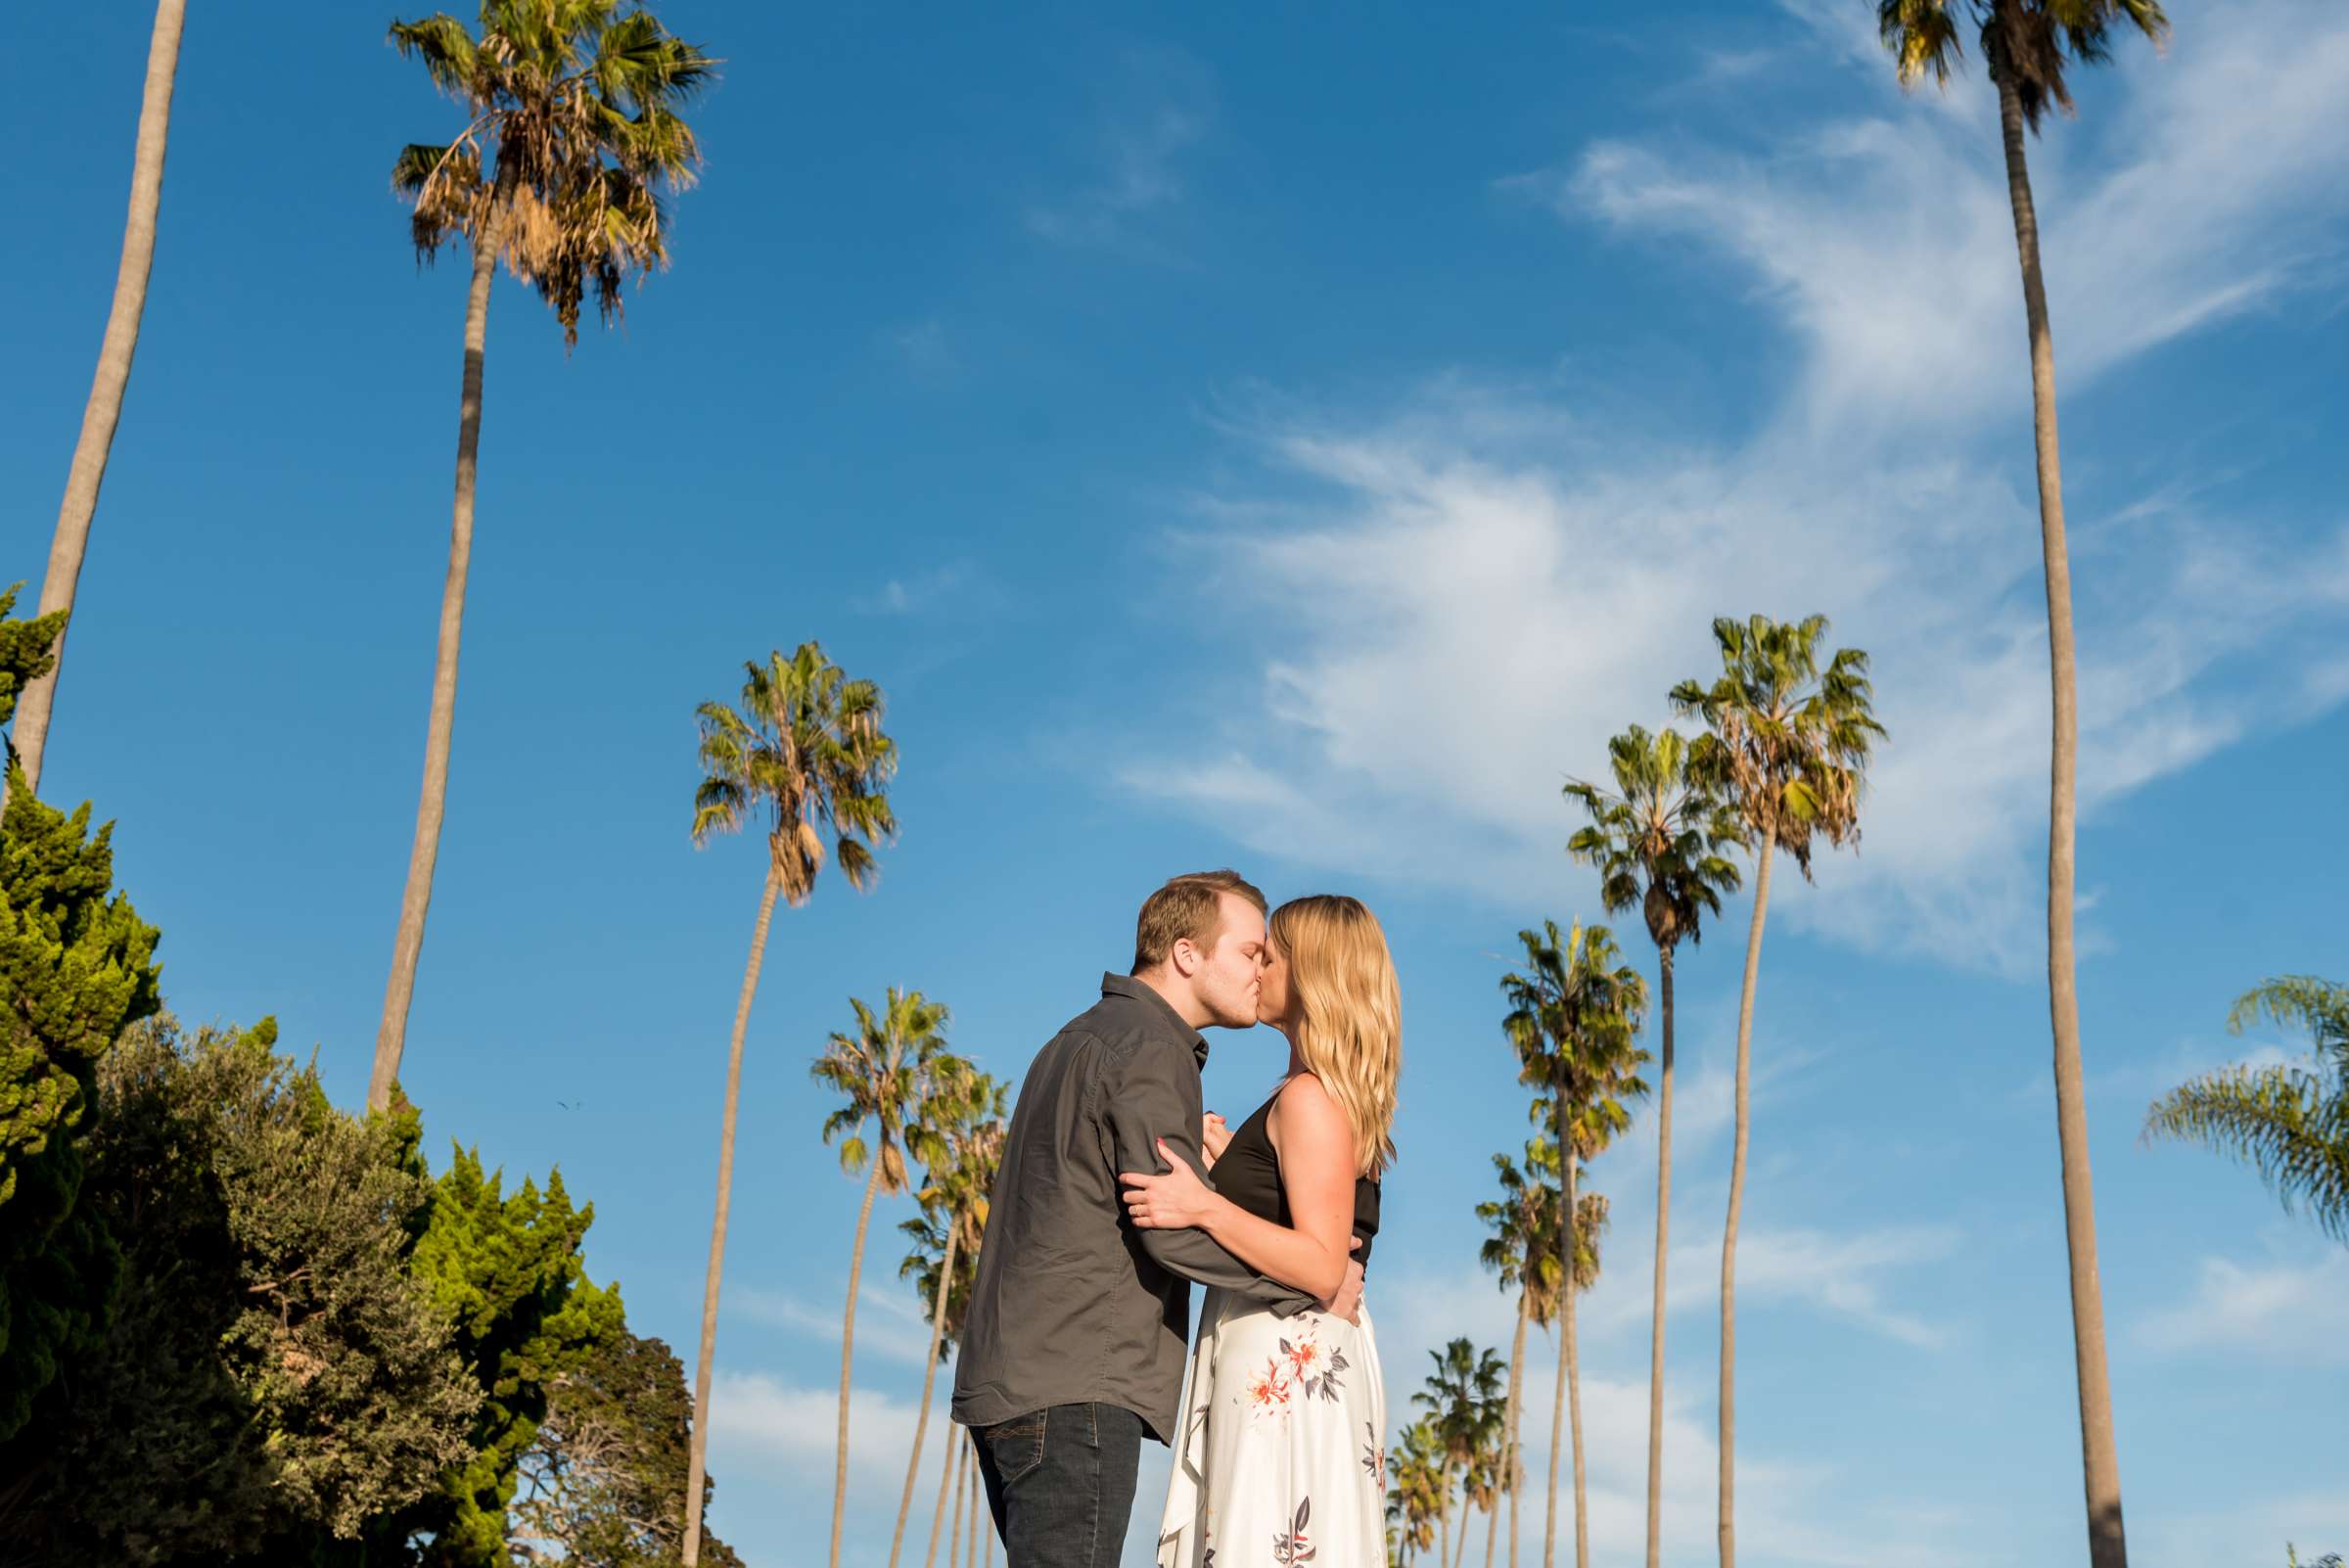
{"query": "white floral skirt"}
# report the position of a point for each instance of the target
(1280, 1460)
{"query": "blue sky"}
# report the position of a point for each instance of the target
(1269, 438)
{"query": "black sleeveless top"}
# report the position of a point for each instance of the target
(1249, 1174)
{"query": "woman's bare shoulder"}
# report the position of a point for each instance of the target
(1304, 1103)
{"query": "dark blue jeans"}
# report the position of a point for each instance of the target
(1060, 1482)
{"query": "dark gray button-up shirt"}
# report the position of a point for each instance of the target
(1073, 1304)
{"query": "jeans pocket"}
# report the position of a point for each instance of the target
(1016, 1445)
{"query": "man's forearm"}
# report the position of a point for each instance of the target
(1196, 1257)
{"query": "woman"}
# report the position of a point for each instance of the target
(1279, 1461)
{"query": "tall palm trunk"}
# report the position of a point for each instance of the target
(2107, 1547)
(921, 1424)
(1729, 1234)
(697, 1469)
(100, 415)
(1567, 1252)
(392, 1034)
(1558, 1430)
(1513, 1411)
(1491, 1528)
(1444, 1522)
(1655, 1333)
(948, 1456)
(1574, 1392)
(970, 1555)
(848, 1354)
(962, 1475)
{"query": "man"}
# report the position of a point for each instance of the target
(1075, 1340)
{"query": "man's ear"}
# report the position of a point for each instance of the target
(1185, 959)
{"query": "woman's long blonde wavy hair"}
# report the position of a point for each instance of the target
(1350, 1037)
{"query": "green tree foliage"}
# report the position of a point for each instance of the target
(28, 652)
(508, 1274)
(806, 755)
(1792, 737)
(1417, 1487)
(1661, 843)
(571, 136)
(2289, 1121)
(896, 1076)
(603, 1481)
(274, 1379)
(76, 967)
(1463, 1404)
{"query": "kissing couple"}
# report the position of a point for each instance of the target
(1117, 1191)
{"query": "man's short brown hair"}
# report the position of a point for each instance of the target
(1186, 906)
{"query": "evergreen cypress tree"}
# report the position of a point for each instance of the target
(76, 968)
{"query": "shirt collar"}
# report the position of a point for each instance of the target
(1113, 984)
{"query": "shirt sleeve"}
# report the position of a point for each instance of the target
(1157, 1096)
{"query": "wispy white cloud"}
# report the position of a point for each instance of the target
(1161, 103)
(1461, 599)
(1791, 1509)
(1868, 1278)
(2186, 1530)
(956, 583)
(757, 1419)
(1479, 585)
(2285, 1310)
(1717, 66)
(923, 349)
(889, 1324)
(1888, 245)
(2135, 1081)
(1849, 1277)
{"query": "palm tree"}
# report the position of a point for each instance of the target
(966, 1117)
(805, 755)
(884, 1072)
(1794, 737)
(1418, 1483)
(962, 1476)
(103, 411)
(570, 133)
(1658, 841)
(2029, 46)
(970, 1550)
(1462, 1401)
(1480, 1477)
(1573, 1021)
(928, 1264)
(1522, 1251)
(1591, 1220)
(2289, 1123)
(1443, 1387)
(1483, 1482)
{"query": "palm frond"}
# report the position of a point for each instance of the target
(2288, 1123)
(2277, 1120)
(445, 48)
(2030, 44)
(574, 149)
(2299, 1002)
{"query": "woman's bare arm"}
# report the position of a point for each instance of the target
(1316, 1144)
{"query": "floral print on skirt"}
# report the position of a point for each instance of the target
(1279, 1462)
